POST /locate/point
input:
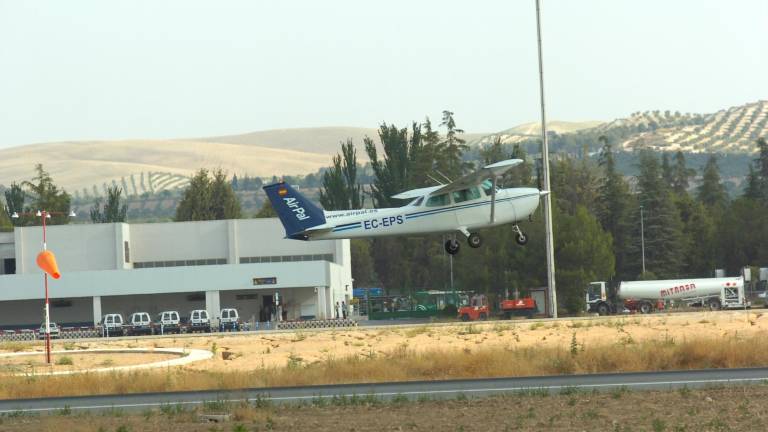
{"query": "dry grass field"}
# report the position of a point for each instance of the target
(501, 348)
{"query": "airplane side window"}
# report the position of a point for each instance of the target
(417, 202)
(466, 195)
(487, 186)
(438, 200)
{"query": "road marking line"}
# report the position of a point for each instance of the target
(381, 394)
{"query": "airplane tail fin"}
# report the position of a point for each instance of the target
(296, 212)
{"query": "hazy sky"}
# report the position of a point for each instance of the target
(73, 70)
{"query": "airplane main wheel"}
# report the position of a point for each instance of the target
(474, 240)
(521, 239)
(452, 246)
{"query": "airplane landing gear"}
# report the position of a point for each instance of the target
(521, 238)
(452, 246)
(474, 240)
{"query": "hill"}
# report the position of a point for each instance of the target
(732, 130)
(728, 131)
(87, 167)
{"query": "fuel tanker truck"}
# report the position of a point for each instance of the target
(647, 296)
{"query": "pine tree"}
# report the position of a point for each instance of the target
(113, 210)
(613, 206)
(584, 253)
(341, 190)
(452, 149)
(393, 172)
(45, 195)
(680, 174)
(666, 170)
(662, 225)
(14, 203)
(266, 210)
(493, 152)
(711, 192)
(224, 203)
(208, 199)
(5, 221)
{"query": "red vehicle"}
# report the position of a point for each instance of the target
(525, 306)
(477, 310)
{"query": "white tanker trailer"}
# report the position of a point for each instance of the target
(645, 296)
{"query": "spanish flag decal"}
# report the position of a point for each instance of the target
(282, 191)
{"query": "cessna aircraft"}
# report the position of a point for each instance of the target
(465, 205)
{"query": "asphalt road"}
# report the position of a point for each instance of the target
(411, 390)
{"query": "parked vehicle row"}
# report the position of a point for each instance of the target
(140, 323)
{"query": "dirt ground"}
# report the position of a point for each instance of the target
(247, 352)
(77, 361)
(715, 409)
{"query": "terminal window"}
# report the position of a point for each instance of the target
(286, 258)
(179, 263)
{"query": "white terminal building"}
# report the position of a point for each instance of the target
(125, 268)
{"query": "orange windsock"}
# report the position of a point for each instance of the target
(46, 260)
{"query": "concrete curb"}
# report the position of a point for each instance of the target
(186, 356)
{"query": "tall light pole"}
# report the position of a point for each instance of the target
(642, 238)
(43, 214)
(545, 168)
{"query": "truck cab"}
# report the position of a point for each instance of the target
(597, 299)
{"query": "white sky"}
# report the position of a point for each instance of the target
(72, 70)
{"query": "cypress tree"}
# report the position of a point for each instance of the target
(711, 192)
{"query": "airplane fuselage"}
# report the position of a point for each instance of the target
(424, 217)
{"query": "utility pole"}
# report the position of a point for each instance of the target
(642, 238)
(545, 169)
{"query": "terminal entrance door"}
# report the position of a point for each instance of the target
(267, 308)
(9, 266)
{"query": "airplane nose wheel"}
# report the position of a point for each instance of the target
(474, 240)
(452, 246)
(521, 238)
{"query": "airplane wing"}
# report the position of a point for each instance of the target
(475, 178)
(416, 193)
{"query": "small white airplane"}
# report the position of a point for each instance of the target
(465, 205)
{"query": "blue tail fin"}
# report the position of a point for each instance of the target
(295, 211)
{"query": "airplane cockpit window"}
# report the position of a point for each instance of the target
(417, 202)
(487, 186)
(438, 200)
(466, 195)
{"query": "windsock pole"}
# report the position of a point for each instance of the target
(47, 303)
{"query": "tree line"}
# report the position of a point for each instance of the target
(686, 231)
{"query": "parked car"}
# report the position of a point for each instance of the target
(168, 322)
(112, 325)
(229, 320)
(199, 321)
(139, 323)
(54, 329)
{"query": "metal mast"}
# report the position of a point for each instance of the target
(545, 169)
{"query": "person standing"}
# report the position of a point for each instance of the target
(344, 309)
(337, 310)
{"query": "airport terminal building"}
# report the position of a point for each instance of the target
(125, 268)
